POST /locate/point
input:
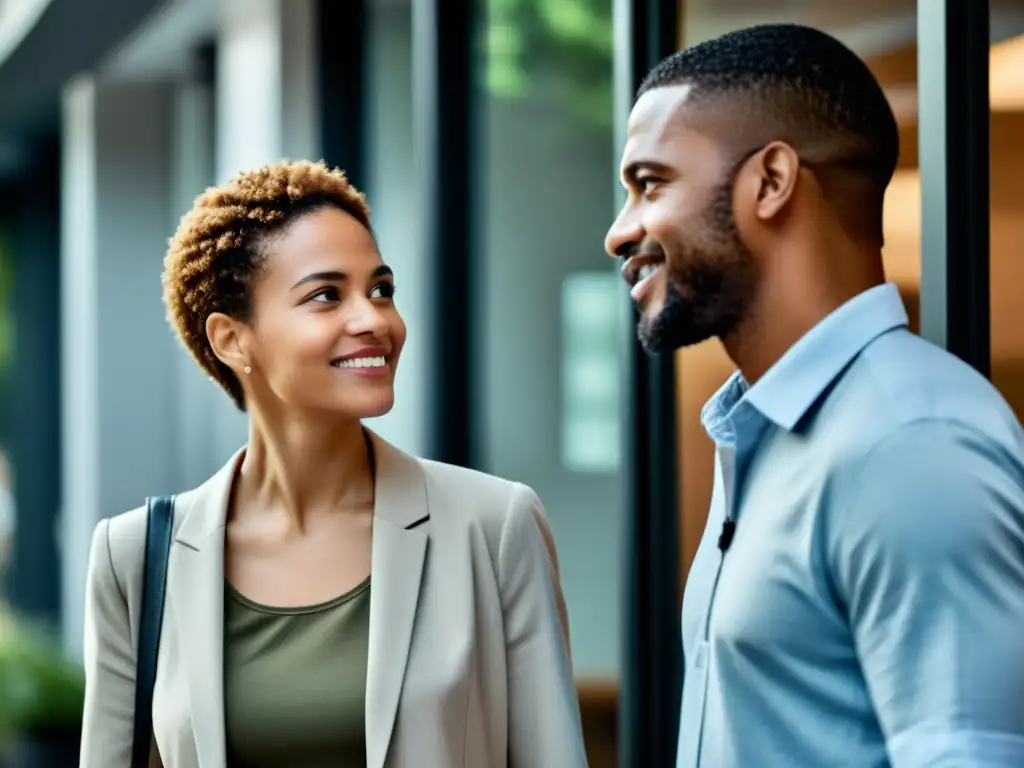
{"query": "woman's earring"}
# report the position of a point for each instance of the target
(247, 370)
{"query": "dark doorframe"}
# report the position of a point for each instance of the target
(445, 67)
(953, 150)
(651, 669)
(342, 56)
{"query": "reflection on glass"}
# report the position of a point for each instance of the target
(557, 50)
(591, 372)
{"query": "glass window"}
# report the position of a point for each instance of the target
(548, 356)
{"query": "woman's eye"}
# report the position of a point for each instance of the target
(325, 295)
(383, 291)
(646, 185)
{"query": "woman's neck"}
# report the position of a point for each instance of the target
(304, 469)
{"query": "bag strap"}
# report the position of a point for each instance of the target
(159, 533)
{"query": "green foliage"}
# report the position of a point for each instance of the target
(552, 49)
(40, 689)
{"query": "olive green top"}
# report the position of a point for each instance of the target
(295, 682)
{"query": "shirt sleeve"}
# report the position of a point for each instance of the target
(544, 725)
(928, 561)
(109, 713)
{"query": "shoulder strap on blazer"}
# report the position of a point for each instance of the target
(159, 532)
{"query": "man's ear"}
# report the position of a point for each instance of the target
(225, 335)
(777, 168)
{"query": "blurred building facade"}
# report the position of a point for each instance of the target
(487, 139)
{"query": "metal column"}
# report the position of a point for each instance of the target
(953, 129)
(341, 64)
(444, 36)
(651, 670)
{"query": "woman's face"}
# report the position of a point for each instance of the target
(324, 333)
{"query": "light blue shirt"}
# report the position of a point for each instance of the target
(870, 609)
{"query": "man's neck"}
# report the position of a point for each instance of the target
(776, 323)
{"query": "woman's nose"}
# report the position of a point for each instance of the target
(369, 319)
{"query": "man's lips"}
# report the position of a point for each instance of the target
(641, 266)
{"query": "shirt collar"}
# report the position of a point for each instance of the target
(790, 387)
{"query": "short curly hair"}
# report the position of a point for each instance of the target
(218, 249)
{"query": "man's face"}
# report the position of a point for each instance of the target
(691, 276)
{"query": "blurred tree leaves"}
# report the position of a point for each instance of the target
(558, 50)
(41, 690)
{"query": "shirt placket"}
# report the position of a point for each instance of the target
(690, 753)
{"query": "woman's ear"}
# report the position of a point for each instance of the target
(225, 335)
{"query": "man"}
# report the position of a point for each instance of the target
(858, 597)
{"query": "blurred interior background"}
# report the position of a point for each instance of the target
(492, 178)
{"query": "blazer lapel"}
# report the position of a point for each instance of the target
(196, 591)
(399, 551)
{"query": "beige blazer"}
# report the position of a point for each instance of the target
(469, 663)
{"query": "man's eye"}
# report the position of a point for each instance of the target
(646, 184)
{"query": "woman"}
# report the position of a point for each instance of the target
(331, 601)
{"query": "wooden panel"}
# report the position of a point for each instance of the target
(599, 709)
(908, 146)
(1007, 266)
(895, 67)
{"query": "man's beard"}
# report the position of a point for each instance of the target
(708, 294)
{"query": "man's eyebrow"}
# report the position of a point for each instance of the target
(632, 170)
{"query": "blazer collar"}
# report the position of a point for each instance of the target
(399, 494)
(196, 591)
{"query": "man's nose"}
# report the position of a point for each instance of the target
(625, 231)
